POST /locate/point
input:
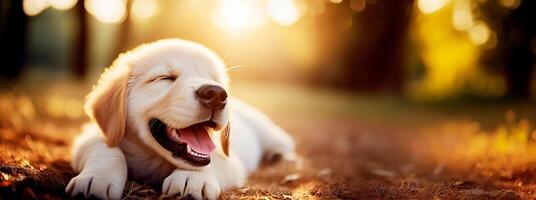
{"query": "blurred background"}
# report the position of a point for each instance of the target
(413, 49)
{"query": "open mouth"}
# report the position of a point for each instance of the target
(192, 144)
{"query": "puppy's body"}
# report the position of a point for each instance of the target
(105, 162)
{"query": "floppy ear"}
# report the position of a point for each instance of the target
(224, 139)
(107, 104)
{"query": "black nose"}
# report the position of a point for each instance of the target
(212, 96)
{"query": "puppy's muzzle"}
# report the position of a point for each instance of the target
(212, 96)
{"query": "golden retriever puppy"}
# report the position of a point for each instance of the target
(162, 115)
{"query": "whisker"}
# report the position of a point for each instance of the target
(227, 52)
(154, 121)
(234, 67)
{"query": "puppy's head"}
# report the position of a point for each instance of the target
(171, 94)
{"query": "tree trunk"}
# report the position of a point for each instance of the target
(13, 40)
(369, 57)
(123, 35)
(81, 42)
(375, 61)
(517, 36)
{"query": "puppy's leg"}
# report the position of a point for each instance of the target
(103, 169)
(275, 142)
(222, 173)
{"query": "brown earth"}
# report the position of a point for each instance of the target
(386, 151)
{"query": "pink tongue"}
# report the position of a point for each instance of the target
(197, 138)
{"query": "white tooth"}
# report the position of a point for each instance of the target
(188, 149)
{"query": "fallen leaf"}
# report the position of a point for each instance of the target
(290, 178)
(458, 183)
(4, 176)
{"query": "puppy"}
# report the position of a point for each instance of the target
(162, 115)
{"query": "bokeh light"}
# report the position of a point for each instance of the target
(144, 9)
(479, 34)
(58, 107)
(430, 6)
(106, 11)
(358, 5)
(34, 7)
(236, 15)
(462, 16)
(511, 4)
(284, 12)
(62, 4)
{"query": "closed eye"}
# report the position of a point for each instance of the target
(165, 78)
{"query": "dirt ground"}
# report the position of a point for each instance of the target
(350, 147)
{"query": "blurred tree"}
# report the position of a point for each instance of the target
(518, 31)
(12, 38)
(372, 56)
(123, 33)
(81, 42)
(515, 36)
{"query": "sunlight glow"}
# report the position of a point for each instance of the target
(479, 34)
(304, 191)
(106, 11)
(58, 107)
(316, 7)
(237, 15)
(62, 4)
(34, 7)
(430, 6)
(143, 9)
(284, 12)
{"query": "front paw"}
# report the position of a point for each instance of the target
(200, 185)
(90, 184)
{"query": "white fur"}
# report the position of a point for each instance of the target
(104, 168)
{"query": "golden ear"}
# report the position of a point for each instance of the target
(224, 139)
(107, 105)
